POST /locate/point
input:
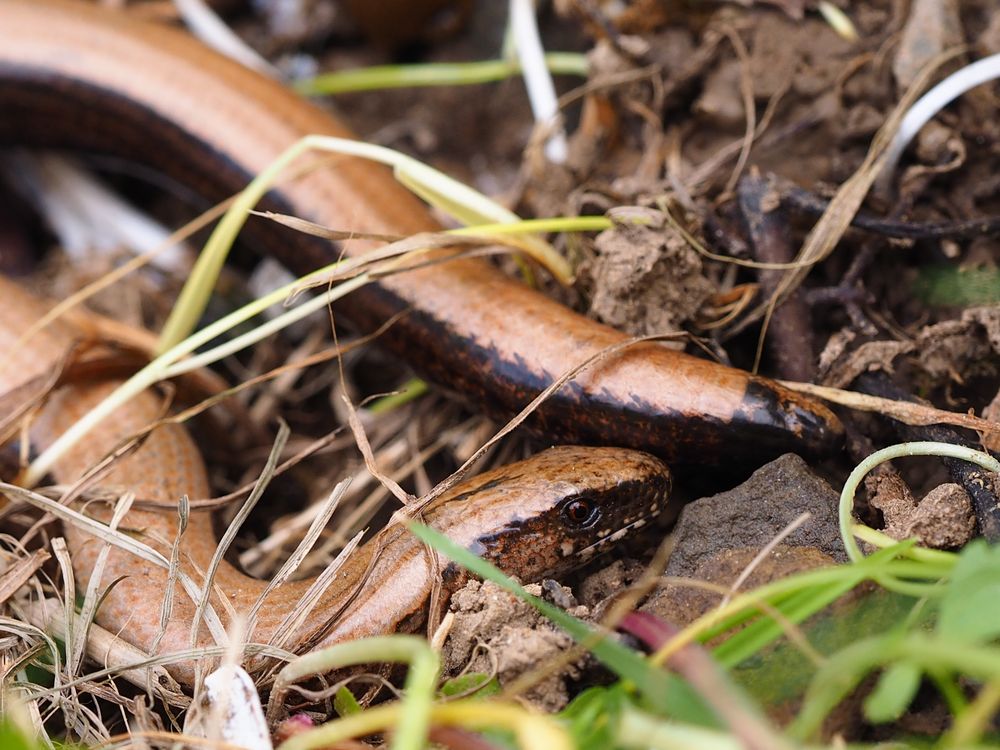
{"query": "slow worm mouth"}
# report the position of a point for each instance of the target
(592, 550)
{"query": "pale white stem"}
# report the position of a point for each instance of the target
(537, 79)
(927, 106)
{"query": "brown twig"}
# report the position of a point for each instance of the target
(810, 203)
(791, 340)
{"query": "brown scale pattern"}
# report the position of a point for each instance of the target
(75, 76)
(511, 515)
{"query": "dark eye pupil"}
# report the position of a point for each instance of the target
(578, 511)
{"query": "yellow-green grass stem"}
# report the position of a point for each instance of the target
(411, 390)
(379, 77)
(172, 362)
(413, 713)
(829, 579)
(532, 730)
(524, 226)
(458, 200)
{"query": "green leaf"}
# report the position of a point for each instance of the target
(345, 704)
(481, 684)
(623, 661)
(895, 690)
(777, 675)
(970, 606)
(948, 286)
(594, 715)
(12, 739)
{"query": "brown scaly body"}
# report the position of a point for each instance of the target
(73, 76)
(535, 518)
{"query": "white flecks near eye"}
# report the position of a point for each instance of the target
(566, 548)
(639, 524)
(617, 535)
(654, 507)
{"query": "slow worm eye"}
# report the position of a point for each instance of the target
(581, 512)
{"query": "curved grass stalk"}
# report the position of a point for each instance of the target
(849, 528)
(554, 224)
(455, 198)
(172, 362)
(532, 730)
(412, 715)
(830, 582)
(448, 194)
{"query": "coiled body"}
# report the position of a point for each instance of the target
(533, 519)
(74, 76)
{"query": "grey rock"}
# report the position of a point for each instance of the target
(752, 514)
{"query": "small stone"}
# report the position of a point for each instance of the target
(944, 518)
(682, 604)
(890, 495)
(495, 632)
(754, 513)
(646, 277)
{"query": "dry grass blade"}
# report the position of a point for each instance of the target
(16, 695)
(17, 403)
(290, 529)
(117, 656)
(188, 655)
(607, 81)
(71, 708)
(20, 572)
(749, 107)
(319, 230)
(664, 204)
(297, 617)
(706, 170)
(906, 412)
(66, 306)
(361, 438)
(763, 554)
(314, 447)
(93, 596)
(29, 633)
(125, 447)
(170, 589)
(183, 416)
(118, 539)
(235, 525)
(61, 553)
(305, 545)
(558, 383)
(406, 254)
(394, 452)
